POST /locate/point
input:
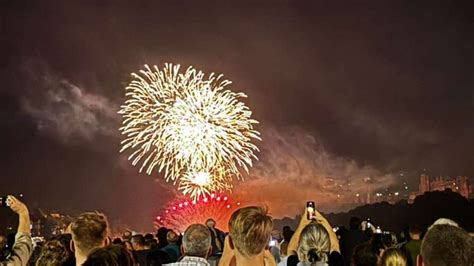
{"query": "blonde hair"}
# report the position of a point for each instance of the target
(250, 230)
(314, 244)
(393, 257)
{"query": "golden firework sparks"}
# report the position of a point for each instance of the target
(191, 128)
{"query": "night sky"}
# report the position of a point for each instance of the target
(343, 90)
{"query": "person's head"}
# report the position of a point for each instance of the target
(354, 223)
(211, 223)
(364, 256)
(444, 245)
(393, 257)
(127, 236)
(197, 241)
(161, 235)
(149, 236)
(172, 237)
(138, 242)
(314, 244)
(250, 230)
(287, 235)
(444, 221)
(377, 244)
(415, 232)
(117, 241)
(53, 253)
(3, 241)
(128, 245)
(276, 235)
(89, 231)
(112, 255)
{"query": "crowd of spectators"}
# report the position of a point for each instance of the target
(252, 240)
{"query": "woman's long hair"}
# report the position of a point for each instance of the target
(314, 245)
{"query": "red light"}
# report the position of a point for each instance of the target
(167, 211)
(218, 198)
(225, 198)
(174, 208)
(238, 203)
(185, 203)
(213, 195)
(181, 205)
(228, 206)
(158, 217)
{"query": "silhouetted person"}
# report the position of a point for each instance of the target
(161, 235)
(412, 247)
(172, 248)
(217, 237)
(112, 255)
(351, 239)
(287, 234)
(363, 256)
(140, 252)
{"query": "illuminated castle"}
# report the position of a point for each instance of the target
(458, 184)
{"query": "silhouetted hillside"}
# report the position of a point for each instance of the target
(423, 212)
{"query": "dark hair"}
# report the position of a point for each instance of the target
(377, 243)
(354, 223)
(138, 239)
(53, 253)
(364, 256)
(112, 255)
(287, 235)
(117, 241)
(161, 235)
(415, 230)
(447, 245)
(149, 236)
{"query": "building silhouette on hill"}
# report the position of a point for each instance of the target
(459, 184)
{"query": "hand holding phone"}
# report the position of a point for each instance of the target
(310, 210)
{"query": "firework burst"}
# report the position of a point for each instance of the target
(191, 128)
(181, 213)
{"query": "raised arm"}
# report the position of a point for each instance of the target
(23, 247)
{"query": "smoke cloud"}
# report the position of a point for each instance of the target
(295, 167)
(68, 110)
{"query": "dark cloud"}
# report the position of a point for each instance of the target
(341, 90)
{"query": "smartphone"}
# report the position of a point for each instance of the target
(310, 209)
(272, 243)
(378, 230)
(3, 201)
(368, 223)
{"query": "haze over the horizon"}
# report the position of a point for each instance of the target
(344, 91)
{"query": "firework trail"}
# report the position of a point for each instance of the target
(181, 213)
(191, 128)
